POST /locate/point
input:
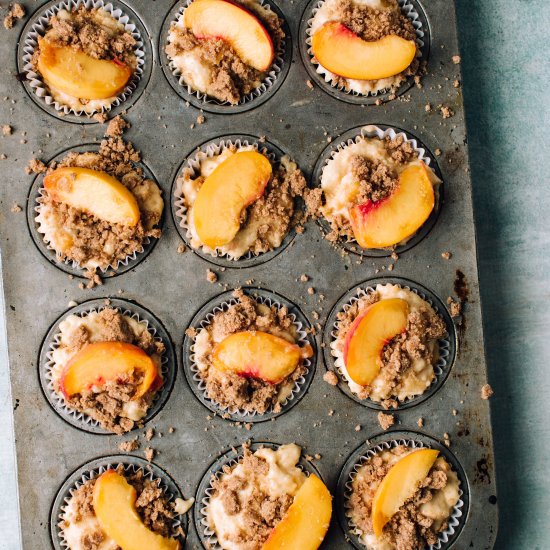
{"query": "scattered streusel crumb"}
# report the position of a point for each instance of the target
(7, 130)
(428, 107)
(446, 112)
(420, 422)
(378, 102)
(330, 378)
(149, 454)
(181, 248)
(456, 59)
(386, 421)
(17, 11)
(116, 127)
(35, 166)
(486, 391)
(358, 428)
(171, 430)
(310, 84)
(438, 152)
(129, 446)
(304, 278)
(201, 119)
(211, 277)
(455, 307)
(456, 83)
(149, 434)
(16, 208)
(446, 255)
(311, 291)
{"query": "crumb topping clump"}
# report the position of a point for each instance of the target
(421, 519)
(230, 390)
(229, 77)
(91, 242)
(108, 406)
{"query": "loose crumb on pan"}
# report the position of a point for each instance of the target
(7, 130)
(35, 166)
(330, 378)
(129, 446)
(181, 248)
(486, 391)
(15, 208)
(116, 127)
(386, 421)
(420, 422)
(17, 11)
(456, 59)
(446, 255)
(446, 112)
(211, 277)
(149, 453)
(455, 307)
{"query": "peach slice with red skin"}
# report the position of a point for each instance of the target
(114, 506)
(396, 218)
(346, 54)
(368, 335)
(95, 192)
(235, 24)
(234, 184)
(256, 354)
(400, 484)
(100, 362)
(77, 74)
(306, 522)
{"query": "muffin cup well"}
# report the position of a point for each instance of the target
(37, 26)
(204, 492)
(323, 77)
(52, 340)
(381, 131)
(386, 441)
(179, 209)
(72, 267)
(91, 470)
(271, 83)
(447, 345)
(203, 318)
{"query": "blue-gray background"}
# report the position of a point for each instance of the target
(506, 82)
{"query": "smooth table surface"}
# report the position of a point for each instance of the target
(506, 71)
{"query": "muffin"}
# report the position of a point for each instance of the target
(98, 209)
(236, 200)
(363, 46)
(86, 59)
(417, 487)
(225, 50)
(266, 502)
(376, 192)
(248, 356)
(107, 366)
(386, 345)
(118, 508)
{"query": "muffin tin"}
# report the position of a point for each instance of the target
(299, 121)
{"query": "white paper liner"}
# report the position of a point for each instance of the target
(331, 78)
(271, 75)
(454, 519)
(302, 341)
(58, 398)
(440, 367)
(373, 131)
(40, 27)
(92, 474)
(193, 166)
(210, 535)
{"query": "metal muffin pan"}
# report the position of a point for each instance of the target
(298, 120)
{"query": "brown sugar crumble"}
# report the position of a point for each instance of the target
(446, 112)
(486, 391)
(129, 446)
(35, 166)
(211, 277)
(15, 209)
(330, 378)
(456, 59)
(149, 453)
(386, 421)
(7, 130)
(446, 255)
(17, 11)
(228, 389)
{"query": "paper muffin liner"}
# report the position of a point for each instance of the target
(230, 459)
(384, 442)
(52, 341)
(95, 468)
(355, 135)
(272, 81)
(326, 79)
(34, 203)
(179, 208)
(204, 318)
(446, 346)
(39, 25)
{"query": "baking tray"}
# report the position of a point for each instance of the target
(173, 286)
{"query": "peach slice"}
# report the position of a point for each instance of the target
(94, 192)
(344, 53)
(235, 24)
(114, 506)
(100, 362)
(399, 216)
(306, 522)
(400, 484)
(79, 75)
(368, 335)
(234, 184)
(256, 354)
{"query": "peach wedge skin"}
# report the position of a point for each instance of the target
(234, 184)
(114, 506)
(368, 335)
(398, 217)
(79, 75)
(306, 522)
(94, 192)
(400, 484)
(243, 30)
(100, 362)
(344, 53)
(256, 354)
